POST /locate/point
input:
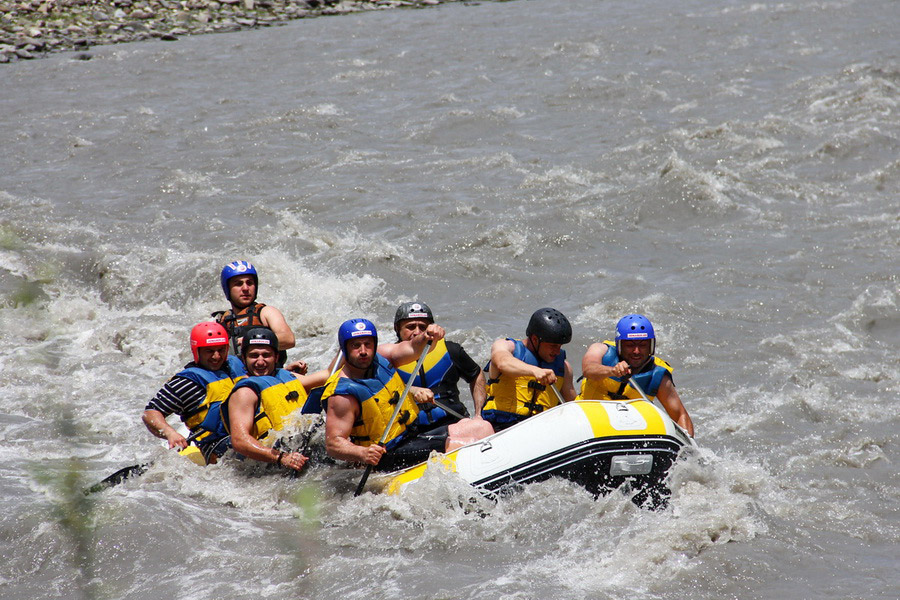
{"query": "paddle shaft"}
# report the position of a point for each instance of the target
(390, 424)
(449, 410)
(556, 391)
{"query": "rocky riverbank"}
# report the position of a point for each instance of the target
(34, 28)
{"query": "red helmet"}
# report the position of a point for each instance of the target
(207, 334)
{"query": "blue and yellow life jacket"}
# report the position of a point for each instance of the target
(377, 397)
(615, 388)
(511, 399)
(433, 375)
(218, 386)
(279, 396)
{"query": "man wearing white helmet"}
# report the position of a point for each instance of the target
(445, 364)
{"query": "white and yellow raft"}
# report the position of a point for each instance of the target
(598, 444)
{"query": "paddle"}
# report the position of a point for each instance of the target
(362, 482)
(448, 409)
(118, 477)
(558, 395)
(136, 470)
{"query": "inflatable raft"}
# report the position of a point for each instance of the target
(598, 444)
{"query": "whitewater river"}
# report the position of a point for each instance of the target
(730, 169)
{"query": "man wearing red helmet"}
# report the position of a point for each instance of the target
(203, 383)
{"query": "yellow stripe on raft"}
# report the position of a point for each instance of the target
(598, 416)
(447, 461)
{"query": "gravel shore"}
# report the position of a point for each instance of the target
(34, 28)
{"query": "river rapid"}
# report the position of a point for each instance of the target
(730, 169)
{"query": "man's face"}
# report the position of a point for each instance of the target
(361, 352)
(411, 327)
(635, 352)
(242, 290)
(260, 361)
(546, 351)
(212, 357)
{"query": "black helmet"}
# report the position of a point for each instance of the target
(549, 325)
(412, 310)
(259, 336)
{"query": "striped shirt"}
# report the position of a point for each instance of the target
(178, 396)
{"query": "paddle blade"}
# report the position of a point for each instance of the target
(118, 477)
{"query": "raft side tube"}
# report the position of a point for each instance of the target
(598, 444)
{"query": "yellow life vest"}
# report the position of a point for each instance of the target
(218, 385)
(437, 363)
(279, 396)
(515, 398)
(377, 397)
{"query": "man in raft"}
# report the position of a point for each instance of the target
(521, 372)
(261, 402)
(361, 397)
(446, 362)
(203, 383)
(240, 282)
(610, 368)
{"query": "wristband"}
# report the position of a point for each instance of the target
(280, 456)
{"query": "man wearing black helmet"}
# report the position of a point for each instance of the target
(264, 400)
(446, 362)
(520, 372)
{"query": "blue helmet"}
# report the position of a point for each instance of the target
(635, 327)
(353, 328)
(233, 269)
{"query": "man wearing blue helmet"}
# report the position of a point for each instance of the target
(360, 399)
(240, 283)
(608, 369)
